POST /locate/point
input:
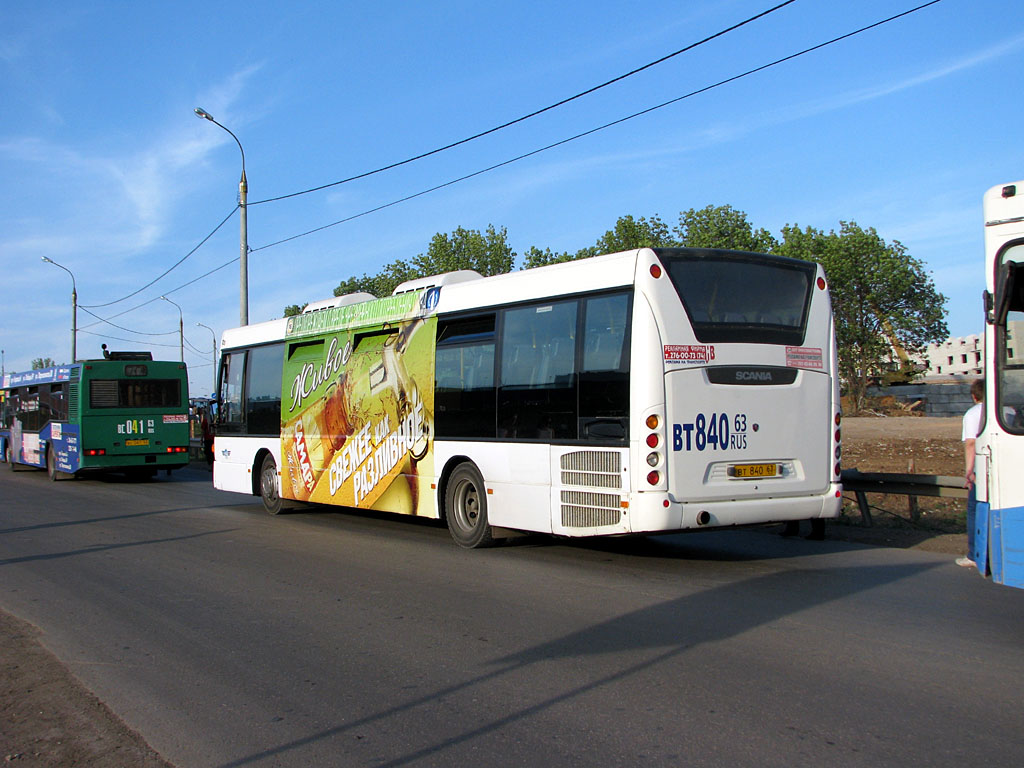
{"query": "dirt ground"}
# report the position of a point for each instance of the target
(49, 720)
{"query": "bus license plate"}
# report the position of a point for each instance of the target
(136, 442)
(755, 470)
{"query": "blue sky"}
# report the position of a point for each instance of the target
(105, 169)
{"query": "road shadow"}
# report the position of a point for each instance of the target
(646, 638)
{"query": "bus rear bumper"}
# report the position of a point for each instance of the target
(654, 512)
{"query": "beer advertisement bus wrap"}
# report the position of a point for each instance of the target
(648, 391)
(357, 405)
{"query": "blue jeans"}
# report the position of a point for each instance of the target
(972, 504)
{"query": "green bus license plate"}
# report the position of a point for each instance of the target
(755, 470)
(136, 442)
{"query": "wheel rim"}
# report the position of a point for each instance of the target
(467, 505)
(268, 484)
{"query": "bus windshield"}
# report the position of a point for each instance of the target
(739, 297)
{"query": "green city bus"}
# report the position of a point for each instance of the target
(126, 413)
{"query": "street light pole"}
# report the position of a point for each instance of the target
(212, 333)
(74, 307)
(181, 328)
(243, 189)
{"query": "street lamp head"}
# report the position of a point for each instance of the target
(47, 259)
(200, 112)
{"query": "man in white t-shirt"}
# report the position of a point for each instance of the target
(971, 428)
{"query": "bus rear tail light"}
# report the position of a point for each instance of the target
(176, 449)
(653, 440)
(95, 451)
(839, 445)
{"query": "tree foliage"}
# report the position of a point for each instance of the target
(486, 252)
(43, 362)
(883, 298)
(721, 226)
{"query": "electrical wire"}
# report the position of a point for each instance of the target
(510, 123)
(130, 341)
(170, 269)
(121, 327)
(619, 121)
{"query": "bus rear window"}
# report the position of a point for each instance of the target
(742, 297)
(135, 393)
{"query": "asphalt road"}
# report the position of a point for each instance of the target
(227, 637)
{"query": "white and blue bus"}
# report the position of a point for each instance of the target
(999, 537)
(643, 392)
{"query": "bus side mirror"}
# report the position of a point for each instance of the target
(989, 303)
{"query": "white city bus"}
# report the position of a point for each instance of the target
(641, 392)
(999, 538)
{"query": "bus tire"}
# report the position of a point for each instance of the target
(11, 463)
(270, 489)
(465, 504)
(51, 465)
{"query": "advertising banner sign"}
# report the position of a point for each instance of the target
(357, 408)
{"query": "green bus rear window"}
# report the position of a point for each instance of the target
(135, 393)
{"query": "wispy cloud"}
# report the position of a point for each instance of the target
(120, 204)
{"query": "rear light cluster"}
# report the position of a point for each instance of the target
(176, 449)
(655, 441)
(839, 445)
(95, 451)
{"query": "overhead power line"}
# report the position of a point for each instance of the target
(619, 121)
(451, 182)
(446, 147)
(121, 327)
(510, 123)
(170, 269)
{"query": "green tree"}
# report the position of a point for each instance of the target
(535, 257)
(293, 309)
(627, 234)
(882, 298)
(43, 362)
(722, 226)
(381, 284)
(486, 252)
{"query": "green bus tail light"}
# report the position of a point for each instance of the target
(95, 451)
(176, 449)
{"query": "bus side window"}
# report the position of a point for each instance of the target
(604, 376)
(232, 417)
(538, 383)
(464, 395)
(59, 401)
(263, 390)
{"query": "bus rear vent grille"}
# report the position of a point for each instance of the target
(582, 509)
(593, 469)
(103, 394)
(73, 400)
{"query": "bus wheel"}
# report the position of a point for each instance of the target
(269, 488)
(51, 465)
(465, 504)
(11, 463)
